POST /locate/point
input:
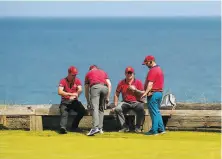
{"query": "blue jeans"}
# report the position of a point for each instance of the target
(153, 104)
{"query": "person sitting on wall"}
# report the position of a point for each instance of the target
(131, 89)
(70, 89)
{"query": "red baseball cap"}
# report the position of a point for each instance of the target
(129, 69)
(148, 58)
(73, 70)
(92, 67)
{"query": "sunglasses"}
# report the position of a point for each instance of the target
(129, 72)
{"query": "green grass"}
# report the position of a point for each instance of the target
(50, 145)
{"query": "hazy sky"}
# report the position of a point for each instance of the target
(113, 8)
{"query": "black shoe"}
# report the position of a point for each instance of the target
(63, 131)
(150, 133)
(161, 131)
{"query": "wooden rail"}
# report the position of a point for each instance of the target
(186, 115)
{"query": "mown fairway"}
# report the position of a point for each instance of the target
(51, 145)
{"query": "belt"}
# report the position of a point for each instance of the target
(156, 90)
(98, 83)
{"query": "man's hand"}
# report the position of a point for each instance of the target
(132, 88)
(143, 96)
(107, 100)
(112, 110)
(89, 106)
(150, 93)
(73, 96)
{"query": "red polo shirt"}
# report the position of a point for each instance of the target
(96, 76)
(156, 76)
(128, 95)
(69, 87)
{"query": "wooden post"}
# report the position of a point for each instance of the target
(36, 123)
(3, 120)
(39, 125)
(32, 123)
(147, 123)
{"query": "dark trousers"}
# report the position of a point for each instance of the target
(124, 107)
(68, 105)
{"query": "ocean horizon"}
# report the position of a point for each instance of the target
(35, 54)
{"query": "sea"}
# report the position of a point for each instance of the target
(35, 53)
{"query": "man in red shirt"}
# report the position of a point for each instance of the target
(97, 93)
(154, 84)
(131, 90)
(69, 89)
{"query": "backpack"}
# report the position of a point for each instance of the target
(168, 100)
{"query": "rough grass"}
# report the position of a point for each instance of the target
(51, 145)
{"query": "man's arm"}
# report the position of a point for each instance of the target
(87, 93)
(116, 98)
(77, 94)
(148, 89)
(61, 92)
(139, 91)
(79, 91)
(136, 90)
(109, 88)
